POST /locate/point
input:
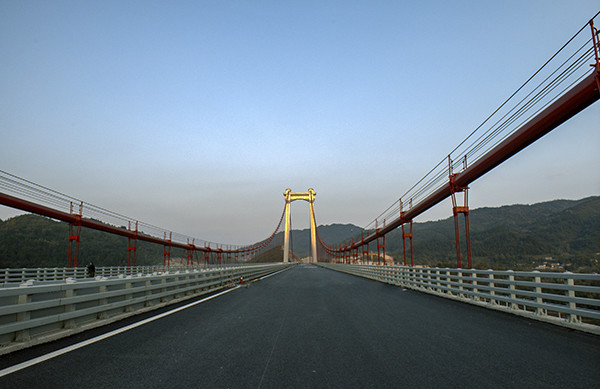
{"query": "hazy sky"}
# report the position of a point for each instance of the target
(195, 116)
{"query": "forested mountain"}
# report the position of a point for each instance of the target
(274, 254)
(37, 241)
(512, 236)
(515, 236)
(331, 234)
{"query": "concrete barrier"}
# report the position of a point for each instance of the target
(566, 299)
(39, 311)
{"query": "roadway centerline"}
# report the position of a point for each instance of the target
(54, 354)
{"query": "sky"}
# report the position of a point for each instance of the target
(195, 116)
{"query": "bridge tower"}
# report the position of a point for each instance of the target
(306, 196)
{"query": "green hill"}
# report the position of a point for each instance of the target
(514, 236)
(37, 241)
(274, 254)
(331, 234)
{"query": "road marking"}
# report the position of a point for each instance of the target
(285, 315)
(98, 338)
(272, 274)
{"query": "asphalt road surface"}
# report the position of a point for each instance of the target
(309, 327)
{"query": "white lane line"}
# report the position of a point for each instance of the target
(272, 274)
(285, 315)
(65, 350)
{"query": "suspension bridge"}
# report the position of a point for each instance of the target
(197, 323)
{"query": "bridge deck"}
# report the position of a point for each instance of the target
(315, 328)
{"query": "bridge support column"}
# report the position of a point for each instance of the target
(73, 250)
(286, 238)
(380, 244)
(190, 252)
(307, 196)
(313, 226)
(131, 248)
(167, 250)
(464, 210)
(365, 249)
(408, 235)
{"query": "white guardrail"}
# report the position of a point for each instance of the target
(36, 311)
(567, 299)
(12, 275)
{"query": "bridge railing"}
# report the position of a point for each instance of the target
(567, 299)
(36, 311)
(47, 274)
